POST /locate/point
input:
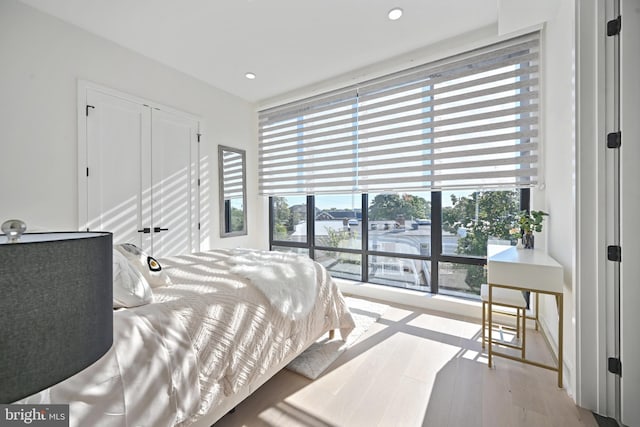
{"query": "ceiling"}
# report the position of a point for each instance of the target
(288, 44)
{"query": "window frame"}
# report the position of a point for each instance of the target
(435, 258)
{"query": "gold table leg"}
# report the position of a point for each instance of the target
(490, 322)
(537, 312)
(559, 301)
(524, 333)
(484, 320)
(489, 317)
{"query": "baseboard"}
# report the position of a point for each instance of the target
(412, 298)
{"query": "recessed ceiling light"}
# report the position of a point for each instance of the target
(250, 76)
(395, 13)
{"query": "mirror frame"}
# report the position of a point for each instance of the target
(221, 201)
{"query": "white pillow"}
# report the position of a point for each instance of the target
(145, 264)
(130, 289)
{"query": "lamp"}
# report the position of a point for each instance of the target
(56, 315)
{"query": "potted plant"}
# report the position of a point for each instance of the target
(530, 222)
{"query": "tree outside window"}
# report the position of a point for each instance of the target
(391, 206)
(476, 218)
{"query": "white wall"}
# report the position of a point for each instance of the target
(42, 59)
(591, 298)
(557, 194)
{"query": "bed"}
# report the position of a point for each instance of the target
(227, 321)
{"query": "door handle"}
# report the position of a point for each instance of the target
(158, 229)
(145, 230)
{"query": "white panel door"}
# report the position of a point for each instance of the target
(142, 161)
(630, 211)
(118, 139)
(174, 183)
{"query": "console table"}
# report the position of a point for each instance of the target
(525, 270)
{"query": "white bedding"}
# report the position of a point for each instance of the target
(206, 336)
(288, 280)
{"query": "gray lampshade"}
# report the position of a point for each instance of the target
(56, 315)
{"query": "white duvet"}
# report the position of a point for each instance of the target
(288, 280)
(206, 336)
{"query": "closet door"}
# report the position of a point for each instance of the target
(117, 187)
(174, 183)
(142, 171)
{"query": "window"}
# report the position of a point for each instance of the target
(341, 264)
(461, 280)
(416, 241)
(402, 180)
(338, 221)
(289, 218)
(470, 219)
(400, 223)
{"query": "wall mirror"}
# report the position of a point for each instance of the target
(233, 191)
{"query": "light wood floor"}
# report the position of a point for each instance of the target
(416, 368)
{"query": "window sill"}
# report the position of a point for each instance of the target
(412, 298)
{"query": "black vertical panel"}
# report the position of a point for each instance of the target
(436, 237)
(525, 205)
(364, 226)
(227, 216)
(311, 225)
(271, 223)
(525, 199)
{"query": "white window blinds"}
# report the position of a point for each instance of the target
(310, 146)
(470, 121)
